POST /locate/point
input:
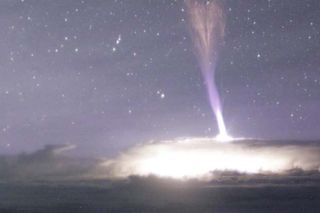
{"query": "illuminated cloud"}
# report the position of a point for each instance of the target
(200, 157)
(188, 158)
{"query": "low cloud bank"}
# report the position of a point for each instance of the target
(49, 163)
(203, 157)
(190, 158)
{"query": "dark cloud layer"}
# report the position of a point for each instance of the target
(47, 164)
(159, 195)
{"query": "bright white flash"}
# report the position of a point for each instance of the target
(199, 157)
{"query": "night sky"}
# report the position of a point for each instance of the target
(106, 75)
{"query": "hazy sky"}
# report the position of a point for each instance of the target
(105, 75)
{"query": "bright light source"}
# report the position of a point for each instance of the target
(199, 157)
(223, 138)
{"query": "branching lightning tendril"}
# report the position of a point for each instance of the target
(207, 23)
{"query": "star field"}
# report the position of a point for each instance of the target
(105, 75)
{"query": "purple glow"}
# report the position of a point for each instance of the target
(207, 30)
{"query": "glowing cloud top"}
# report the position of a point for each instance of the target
(201, 157)
(207, 23)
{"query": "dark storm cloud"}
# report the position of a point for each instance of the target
(47, 164)
(151, 194)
